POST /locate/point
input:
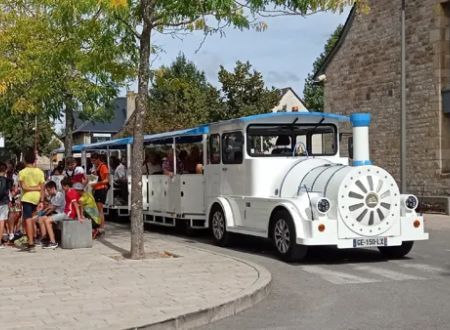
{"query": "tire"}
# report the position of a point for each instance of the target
(218, 225)
(396, 252)
(283, 236)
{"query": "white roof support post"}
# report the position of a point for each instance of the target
(174, 145)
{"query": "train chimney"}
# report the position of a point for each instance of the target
(360, 123)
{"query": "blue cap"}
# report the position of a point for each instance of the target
(360, 119)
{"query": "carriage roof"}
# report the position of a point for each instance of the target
(190, 134)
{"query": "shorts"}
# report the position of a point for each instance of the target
(60, 217)
(28, 210)
(100, 195)
(4, 210)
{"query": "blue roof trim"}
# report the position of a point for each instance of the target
(333, 116)
(162, 137)
(109, 144)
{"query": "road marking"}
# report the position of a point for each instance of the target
(423, 267)
(337, 277)
(390, 274)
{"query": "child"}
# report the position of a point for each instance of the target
(56, 206)
(90, 210)
(72, 211)
(5, 187)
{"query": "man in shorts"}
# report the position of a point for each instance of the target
(5, 186)
(100, 187)
(72, 211)
(32, 182)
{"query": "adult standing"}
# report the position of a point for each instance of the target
(100, 187)
(32, 182)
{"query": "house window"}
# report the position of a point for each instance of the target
(295, 109)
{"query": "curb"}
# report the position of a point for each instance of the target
(246, 299)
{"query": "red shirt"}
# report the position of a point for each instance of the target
(71, 196)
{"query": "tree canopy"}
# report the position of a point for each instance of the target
(244, 92)
(313, 92)
(180, 97)
(58, 56)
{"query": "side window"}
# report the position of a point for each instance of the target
(214, 149)
(232, 148)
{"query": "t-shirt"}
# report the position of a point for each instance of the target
(58, 201)
(5, 187)
(31, 177)
(71, 196)
(120, 173)
(103, 173)
(76, 175)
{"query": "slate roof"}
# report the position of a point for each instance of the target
(114, 126)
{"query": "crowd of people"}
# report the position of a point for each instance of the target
(30, 204)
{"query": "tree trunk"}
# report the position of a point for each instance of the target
(137, 223)
(68, 138)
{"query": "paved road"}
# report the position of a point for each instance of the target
(347, 289)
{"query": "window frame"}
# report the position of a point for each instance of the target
(293, 138)
(224, 135)
(210, 139)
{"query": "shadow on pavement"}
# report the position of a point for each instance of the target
(263, 248)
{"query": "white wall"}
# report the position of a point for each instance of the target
(290, 101)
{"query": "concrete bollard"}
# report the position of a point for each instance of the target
(76, 235)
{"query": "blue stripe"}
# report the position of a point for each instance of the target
(361, 162)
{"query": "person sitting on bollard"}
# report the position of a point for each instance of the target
(72, 211)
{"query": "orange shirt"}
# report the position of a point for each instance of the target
(103, 173)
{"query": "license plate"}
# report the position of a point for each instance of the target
(368, 242)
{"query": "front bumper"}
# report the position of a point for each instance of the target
(313, 236)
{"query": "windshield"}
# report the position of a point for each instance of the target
(281, 140)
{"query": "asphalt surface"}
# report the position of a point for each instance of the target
(345, 289)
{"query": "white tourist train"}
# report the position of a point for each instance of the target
(279, 176)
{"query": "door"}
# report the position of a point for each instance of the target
(213, 167)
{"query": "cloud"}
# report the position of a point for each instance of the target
(283, 77)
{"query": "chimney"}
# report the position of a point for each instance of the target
(131, 103)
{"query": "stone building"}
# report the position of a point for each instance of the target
(363, 74)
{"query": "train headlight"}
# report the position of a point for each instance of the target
(411, 202)
(323, 205)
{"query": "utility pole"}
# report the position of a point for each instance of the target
(403, 105)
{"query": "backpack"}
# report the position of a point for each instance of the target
(5, 187)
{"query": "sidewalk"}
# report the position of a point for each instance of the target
(176, 286)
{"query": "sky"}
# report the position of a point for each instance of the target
(284, 53)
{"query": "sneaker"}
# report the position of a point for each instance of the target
(2, 246)
(11, 237)
(50, 246)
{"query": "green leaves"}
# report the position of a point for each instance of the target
(313, 92)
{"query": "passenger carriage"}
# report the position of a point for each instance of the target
(280, 176)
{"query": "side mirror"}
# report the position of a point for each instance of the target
(350, 147)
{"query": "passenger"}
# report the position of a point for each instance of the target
(193, 161)
(72, 211)
(32, 183)
(121, 182)
(5, 187)
(152, 164)
(74, 172)
(168, 165)
(100, 187)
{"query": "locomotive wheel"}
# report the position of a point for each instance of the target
(284, 236)
(218, 226)
(396, 252)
